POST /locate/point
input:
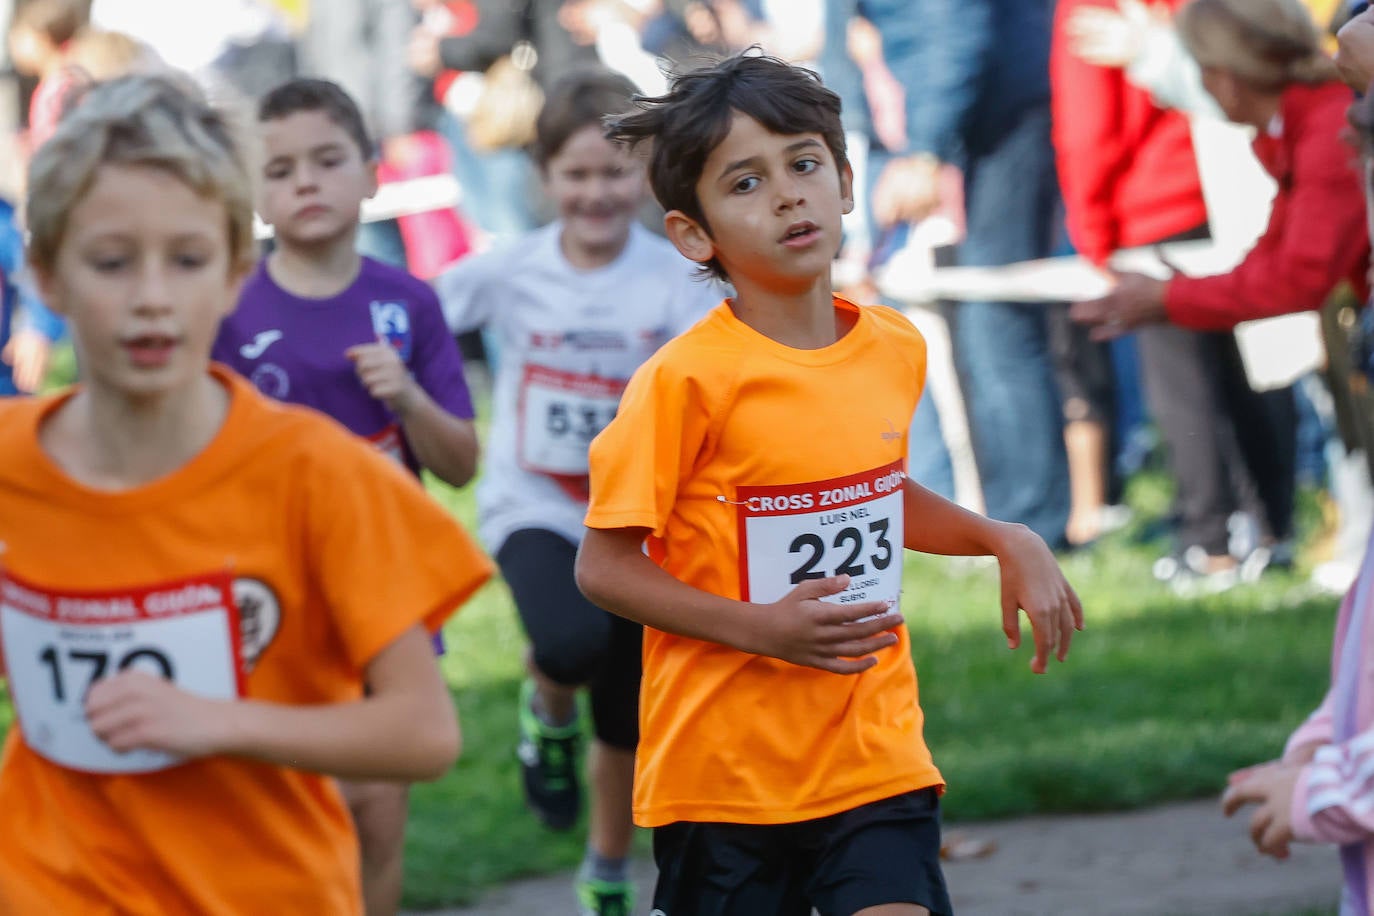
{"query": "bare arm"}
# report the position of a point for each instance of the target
(1031, 578)
(443, 443)
(614, 573)
(406, 729)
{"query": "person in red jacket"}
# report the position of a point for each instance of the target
(1263, 63)
(1128, 177)
(1316, 236)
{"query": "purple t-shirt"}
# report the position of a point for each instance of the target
(293, 349)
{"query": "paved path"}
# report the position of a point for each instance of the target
(1181, 860)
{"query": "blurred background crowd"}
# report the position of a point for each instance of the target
(982, 133)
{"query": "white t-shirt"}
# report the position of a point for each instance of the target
(568, 340)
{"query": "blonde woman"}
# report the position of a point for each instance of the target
(1263, 63)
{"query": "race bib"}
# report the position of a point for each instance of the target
(57, 644)
(847, 526)
(389, 443)
(560, 414)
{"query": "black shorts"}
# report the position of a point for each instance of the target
(884, 852)
(574, 642)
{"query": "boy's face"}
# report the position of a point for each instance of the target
(774, 203)
(315, 179)
(143, 274)
(597, 187)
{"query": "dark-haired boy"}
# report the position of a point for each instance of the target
(320, 325)
(760, 456)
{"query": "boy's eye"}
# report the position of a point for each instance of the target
(805, 165)
(190, 261)
(746, 184)
(277, 172)
(108, 264)
(330, 162)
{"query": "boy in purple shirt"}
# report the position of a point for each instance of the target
(318, 324)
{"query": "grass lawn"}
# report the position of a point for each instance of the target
(1160, 699)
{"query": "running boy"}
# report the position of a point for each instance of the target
(193, 574)
(364, 342)
(575, 308)
(759, 455)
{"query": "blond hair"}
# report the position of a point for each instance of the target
(1270, 44)
(157, 121)
(104, 55)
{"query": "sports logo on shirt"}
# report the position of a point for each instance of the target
(391, 322)
(261, 341)
(259, 618)
(271, 380)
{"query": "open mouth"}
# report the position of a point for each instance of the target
(150, 350)
(800, 233)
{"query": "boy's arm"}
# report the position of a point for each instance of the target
(1031, 578)
(614, 573)
(443, 443)
(406, 729)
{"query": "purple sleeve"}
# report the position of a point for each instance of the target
(436, 362)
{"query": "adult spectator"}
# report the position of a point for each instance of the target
(976, 75)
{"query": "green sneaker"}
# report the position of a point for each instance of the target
(548, 763)
(604, 898)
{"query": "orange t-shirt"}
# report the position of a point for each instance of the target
(333, 552)
(756, 466)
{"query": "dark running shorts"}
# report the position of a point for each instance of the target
(884, 852)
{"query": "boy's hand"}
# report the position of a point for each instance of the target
(802, 629)
(385, 375)
(1271, 786)
(1033, 582)
(134, 710)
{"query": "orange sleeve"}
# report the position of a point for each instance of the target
(658, 436)
(383, 553)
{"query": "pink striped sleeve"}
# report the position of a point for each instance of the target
(1334, 798)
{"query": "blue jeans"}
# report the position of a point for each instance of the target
(1001, 349)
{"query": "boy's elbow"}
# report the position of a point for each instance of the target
(439, 749)
(587, 573)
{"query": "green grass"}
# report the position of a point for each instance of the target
(1160, 699)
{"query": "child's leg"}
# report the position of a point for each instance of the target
(894, 909)
(615, 717)
(568, 643)
(379, 812)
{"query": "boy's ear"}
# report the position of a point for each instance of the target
(689, 237)
(847, 188)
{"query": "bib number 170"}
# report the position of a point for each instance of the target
(97, 664)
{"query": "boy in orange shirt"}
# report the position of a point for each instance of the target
(197, 581)
(760, 457)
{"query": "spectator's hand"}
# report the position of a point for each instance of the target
(135, 710)
(27, 353)
(1109, 38)
(841, 638)
(1271, 787)
(1033, 582)
(907, 190)
(385, 376)
(1355, 51)
(422, 53)
(1136, 300)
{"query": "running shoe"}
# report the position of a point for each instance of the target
(604, 898)
(548, 763)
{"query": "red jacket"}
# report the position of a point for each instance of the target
(1317, 234)
(1126, 167)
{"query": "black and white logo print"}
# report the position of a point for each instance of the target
(259, 619)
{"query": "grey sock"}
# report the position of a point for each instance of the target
(600, 868)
